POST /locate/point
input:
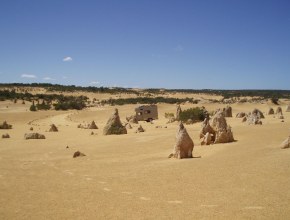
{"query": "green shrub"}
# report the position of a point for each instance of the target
(79, 105)
(43, 106)
(169, 115)
(195, 114)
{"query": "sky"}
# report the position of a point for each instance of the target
(174, 44)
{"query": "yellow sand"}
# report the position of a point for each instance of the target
(130, 177)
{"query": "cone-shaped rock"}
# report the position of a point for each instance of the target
(228, 111)
(114, 125)
(93, 125)
(128, 126)
(206, 128)
(184, 144)
(279, 111)
(178, 111)
(288, 108)
(140, 129)
(34, 136)
(286, 143)
(270, 111)
(53, 128)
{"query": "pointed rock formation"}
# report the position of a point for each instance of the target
(228, 111)
(128, 126)
(279, 111)
(140, 129)
(178, 111)
(184, 144)
(271, 111)
(114, 125)
(206, 128)
(288, 108)
(53, 128)
(92, 125)
(286, 144)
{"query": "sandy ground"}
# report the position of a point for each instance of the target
(130, 177)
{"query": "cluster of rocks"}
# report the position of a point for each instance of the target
(132, 119)
(92, 125)
(5, 125)
(5, 135)
(33, 136)
(278, 113)
(252, 117)
(226, 112)
(216, 130)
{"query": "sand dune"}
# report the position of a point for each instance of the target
(130, 177)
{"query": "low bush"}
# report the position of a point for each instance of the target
(195, 114)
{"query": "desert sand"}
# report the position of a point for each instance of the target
(131, 177)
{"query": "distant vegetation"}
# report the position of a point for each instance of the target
(194, 114)
(72, 88)
(147, 100)
(169, 115)
(145, 96)
(267, 94)
(228, 93)
(62, 102)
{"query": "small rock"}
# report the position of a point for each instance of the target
(78, 154)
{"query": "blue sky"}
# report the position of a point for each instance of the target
(193, 44)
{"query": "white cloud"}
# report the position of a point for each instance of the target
(67, 59)
(48, 78)
(94, 83)
(28, 76)
(64, 77)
